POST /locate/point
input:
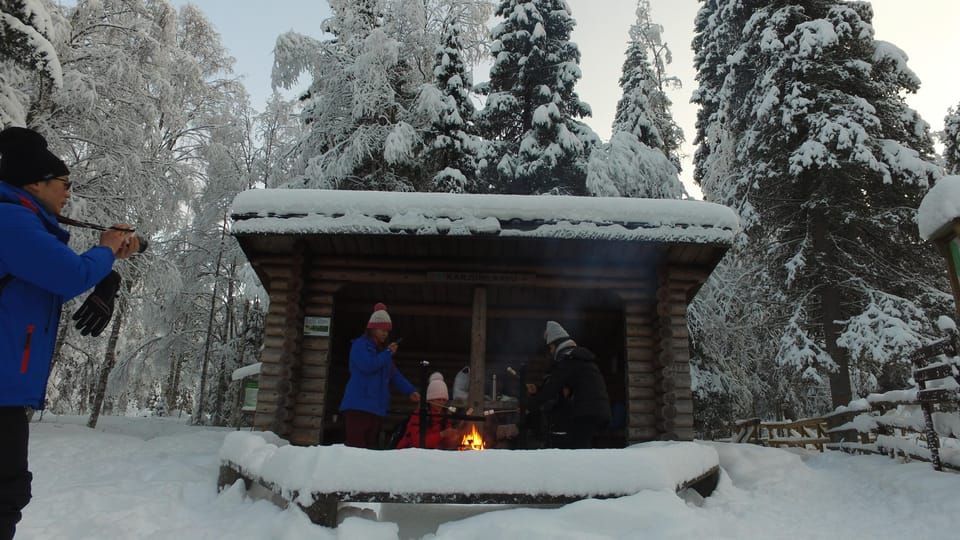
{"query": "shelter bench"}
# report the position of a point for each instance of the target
(326, 505)
(319, 479)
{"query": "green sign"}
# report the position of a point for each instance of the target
(955, 256)
(250, 389)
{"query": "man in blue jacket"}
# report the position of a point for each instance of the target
(38, 273)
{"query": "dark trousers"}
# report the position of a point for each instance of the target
(14, 476)
(579, 433)
(363, 429)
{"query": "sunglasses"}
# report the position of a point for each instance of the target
(66, 183)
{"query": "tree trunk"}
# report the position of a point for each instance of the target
(841, 392)
(198, 417)
(109, 360)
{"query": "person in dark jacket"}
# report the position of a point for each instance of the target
(38, 273)
(372, 373)
(574, 394)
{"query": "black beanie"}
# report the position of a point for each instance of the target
(24, 158)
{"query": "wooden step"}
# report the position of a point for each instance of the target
(931, 373)
(944, 346)
(936, 395)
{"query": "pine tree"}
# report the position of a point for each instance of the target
(30, 68)
(644, 108)
(642, 158)
(449, 146)
(835, 164)
(531, 113)
(951, 140)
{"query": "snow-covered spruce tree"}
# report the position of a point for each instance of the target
(729, 300)
(642, 158)
(644, 108)
(449, 144)
(836, 165)
(29, 66)
(951, 140)
(718, 28)
(365, 82)
(537, 145)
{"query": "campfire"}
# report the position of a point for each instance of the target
(472, 440)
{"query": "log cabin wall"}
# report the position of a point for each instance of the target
(283, 339)
(640, 342)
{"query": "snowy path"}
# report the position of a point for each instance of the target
(155, 479)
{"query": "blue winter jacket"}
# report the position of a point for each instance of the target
(371, 375)
(45, 273)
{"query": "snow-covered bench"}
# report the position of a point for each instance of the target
(319, 478)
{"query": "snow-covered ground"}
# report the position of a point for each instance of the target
(155, 478)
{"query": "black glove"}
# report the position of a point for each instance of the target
(96, 310)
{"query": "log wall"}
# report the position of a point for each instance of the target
(674, 413)
(281, 355)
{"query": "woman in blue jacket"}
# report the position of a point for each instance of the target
(38, 273)
(372, 372)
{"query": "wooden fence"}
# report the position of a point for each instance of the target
(921, 423)
(811, 432)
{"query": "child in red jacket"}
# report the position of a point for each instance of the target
(441, 432)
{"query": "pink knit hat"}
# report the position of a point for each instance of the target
(380, 318)
(437, 389)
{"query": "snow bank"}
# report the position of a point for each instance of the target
(655, 465)
(939, 206)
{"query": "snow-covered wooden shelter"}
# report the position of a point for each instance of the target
(470, 280)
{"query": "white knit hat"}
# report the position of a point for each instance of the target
(380, 318)
(554, 332)
(437, 389)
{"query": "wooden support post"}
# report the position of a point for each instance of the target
(478, 348)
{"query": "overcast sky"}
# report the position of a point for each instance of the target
(925, 29)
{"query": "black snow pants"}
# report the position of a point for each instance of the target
(14, 476)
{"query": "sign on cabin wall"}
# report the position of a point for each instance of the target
(250, 389)
(316, 326)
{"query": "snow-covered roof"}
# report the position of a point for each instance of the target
(246, 371)
(300, 211)
(940, 206)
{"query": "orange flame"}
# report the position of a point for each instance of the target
(472, 440)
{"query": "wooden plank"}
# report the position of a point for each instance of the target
(637, 407)
(378, 276)
(645, 342)
(641, 380)
(641, 434)
(641, 392)
(310, 371)
(310, 397)
(314, 355)
(478, 346)
(640, 355)
(304, 437)
(307, 422)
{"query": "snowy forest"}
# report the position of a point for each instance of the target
(802, 129)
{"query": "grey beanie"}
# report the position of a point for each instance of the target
(554, 333)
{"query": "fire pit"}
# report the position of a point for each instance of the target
(472, 440)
